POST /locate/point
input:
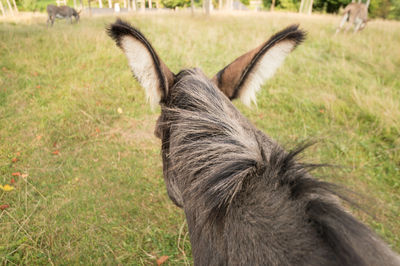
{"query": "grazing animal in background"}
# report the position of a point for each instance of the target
(247, 201)
(356, 14)
(61, 12)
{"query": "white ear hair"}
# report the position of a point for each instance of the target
(142, 65)
(244, 76)
(264, 70)
(154, 76)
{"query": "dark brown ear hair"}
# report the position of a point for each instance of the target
(243, 77)
(154, 76)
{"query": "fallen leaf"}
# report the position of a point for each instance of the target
(162, 259)
(14, 160)
(97, 130)
(16, 174)
(119, 110)
(4, 206)
(35, 74)
(38, 87)
(322, 111)
(38, 137)
(55, 144)
(6, 187)
(12, 181)
(18, 153)
(56, 152)
(24, 175)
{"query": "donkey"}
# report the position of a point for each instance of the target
(247, 201)
(61, 12)
(356, 14)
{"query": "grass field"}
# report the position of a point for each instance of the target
(77, 133)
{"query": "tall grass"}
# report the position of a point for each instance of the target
(91, 188)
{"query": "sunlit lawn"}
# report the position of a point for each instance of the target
(91, 188)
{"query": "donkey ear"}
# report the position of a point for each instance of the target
(244, 76)
(154, 76)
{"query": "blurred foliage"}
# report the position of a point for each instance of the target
(29, 4)
(388, 9)
(37, 5)
(377, 9)
(289, 5)
(175, 3)
(395, 10)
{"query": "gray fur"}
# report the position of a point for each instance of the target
(61, 12)
(247, 201)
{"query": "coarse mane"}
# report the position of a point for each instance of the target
(220, 157)
(246, 200)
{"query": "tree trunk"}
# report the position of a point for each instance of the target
(367, 4)
(9, 6)
(306, 6)
(81, 4)
(273, 5)
(142, 5)
(134, 5)
(310, 7)
(75, 4)
(2, 9)
(15, 6)
(192, 6)
(90, 8)
(219, 4)
(100, 4)
(124, 3)
(206, 6)
(109, 4)
(149, 4)
(229, 4)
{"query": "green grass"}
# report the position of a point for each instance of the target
(102, 199)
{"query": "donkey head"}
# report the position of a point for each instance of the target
(194, 96)
(246, 200)
(76, 14)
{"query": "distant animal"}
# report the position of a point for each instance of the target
(61, 12)
(356, 14)
(247, 201)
